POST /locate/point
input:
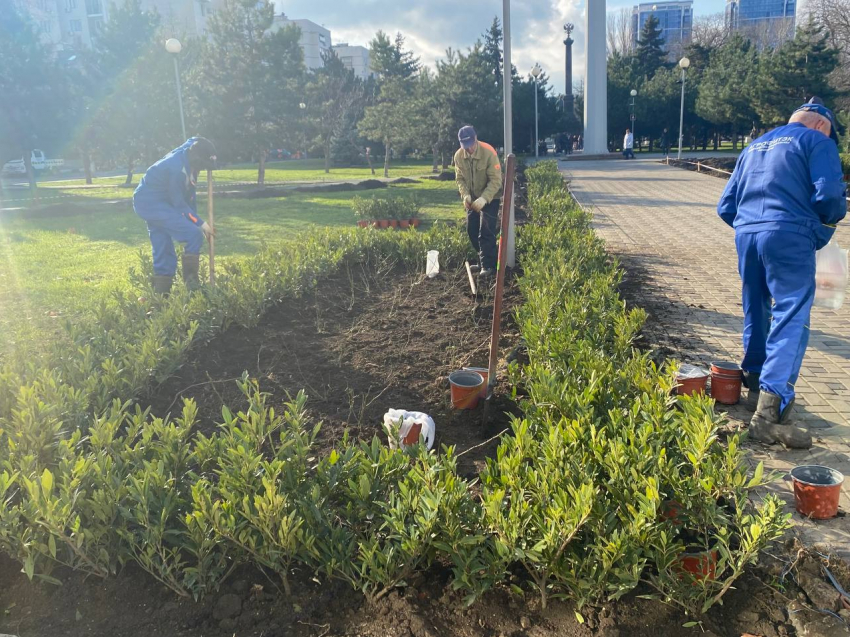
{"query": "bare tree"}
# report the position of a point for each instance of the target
(834, 15)
(620, 32)
(710, 31)
(769, 34)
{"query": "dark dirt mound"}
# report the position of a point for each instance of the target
(723, 163)
(359, 345)
(443, 176)
(405, 180)
(369, 184)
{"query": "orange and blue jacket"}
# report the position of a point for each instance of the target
(479, 174)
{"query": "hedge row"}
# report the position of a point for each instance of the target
(604, 483)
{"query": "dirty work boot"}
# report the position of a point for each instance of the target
(474, 268)
(162, 284)
(769, 426)
(486, 274)
(751, 382)
(191, 267)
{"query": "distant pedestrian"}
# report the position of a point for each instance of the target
(478, 174)
(665, 143)
(783, 199)
(165, 199)
(628, 145)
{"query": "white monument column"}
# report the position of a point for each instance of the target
(595, 80)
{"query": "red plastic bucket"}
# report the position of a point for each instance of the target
(485, 374)
(691, 386)
(726, 383)
(466, 389)
(816, 491)
(700, 565)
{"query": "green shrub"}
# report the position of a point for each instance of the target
(845, 163)
(376, 208)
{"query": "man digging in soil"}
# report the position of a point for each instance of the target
(479, 180)
(784, 199)
(166, 200)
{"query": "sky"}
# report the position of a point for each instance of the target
(432, 27)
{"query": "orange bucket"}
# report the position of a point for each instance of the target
(816, 491)
(701, 566)
(485, 374)
(466, 389)
(726, 383)
(691, 380)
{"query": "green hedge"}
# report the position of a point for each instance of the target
(845, 163)
(603, 483)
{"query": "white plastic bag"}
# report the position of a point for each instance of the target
(432, 263)
(831, 276)
(405, 427)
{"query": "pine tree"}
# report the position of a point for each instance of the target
(650, 49)
(493, 50)
(390, 60)
(790, 76)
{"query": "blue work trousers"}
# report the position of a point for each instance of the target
(777, 265)
(164, 232)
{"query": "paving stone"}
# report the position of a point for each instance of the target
(662, 224)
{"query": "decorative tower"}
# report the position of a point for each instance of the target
(569, 101)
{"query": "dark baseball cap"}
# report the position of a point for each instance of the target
(467, 137)
(816, 105)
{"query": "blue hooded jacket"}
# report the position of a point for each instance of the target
(788, 179)
(168, 188)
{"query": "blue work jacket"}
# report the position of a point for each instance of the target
(168, 188)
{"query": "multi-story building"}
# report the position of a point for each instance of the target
(769, 22)
(675, 19)
(356, 58)
(69, 25)
(315, 39)
(183, 18)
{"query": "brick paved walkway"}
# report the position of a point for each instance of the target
(681, 265)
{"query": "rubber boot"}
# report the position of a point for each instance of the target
(751, 382)
(191, 268)
(769, 426)
(162, 284)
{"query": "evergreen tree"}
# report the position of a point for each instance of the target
(249, 83)
(650, 48)
(493, 50)
(724, 89)
(34, 91)
(800, 69)
(126, 35)
(390, 60)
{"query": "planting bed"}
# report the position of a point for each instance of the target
(363, 343)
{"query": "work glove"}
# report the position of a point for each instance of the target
(478, 204)
(467, 202)
(207, 230)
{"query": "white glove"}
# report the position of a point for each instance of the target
(478, 204)
(467, 202)
(207, 230)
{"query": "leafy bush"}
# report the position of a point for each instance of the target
(845, 163)
(376, 208)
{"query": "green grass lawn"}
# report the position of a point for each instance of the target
(55, 267)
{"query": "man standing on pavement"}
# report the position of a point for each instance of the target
(165, 199)
(783, 199)
(665, 143)
(628, 145)
(478, 174)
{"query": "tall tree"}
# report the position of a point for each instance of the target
(724, 90)
(390, 120)
(620, 37)
(333, 93)
(650, 48)
(800, 69)
(34, 91)
(390, 59)
(492, 51)
(249, 83)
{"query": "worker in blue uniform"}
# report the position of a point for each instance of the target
(783, 200)
(165, 199)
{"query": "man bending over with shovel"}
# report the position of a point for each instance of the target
(479, 179)
(165, 199)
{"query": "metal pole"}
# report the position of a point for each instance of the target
(536, 121)
(211, 221)
(681, 114)
(510, 256)
(179, 97)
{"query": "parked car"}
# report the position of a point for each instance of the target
(40, 162)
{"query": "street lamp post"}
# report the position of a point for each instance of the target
(684, 63)
(173, 46)
(633, 93)
(536, 71)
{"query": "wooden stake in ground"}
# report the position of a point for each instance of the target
(211, 221)
(507, 196)
(472, 285)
